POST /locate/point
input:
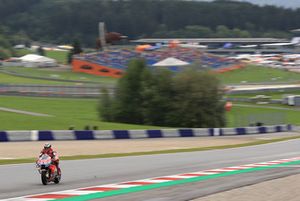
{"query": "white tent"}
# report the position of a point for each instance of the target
(33, 60)
(171, 61)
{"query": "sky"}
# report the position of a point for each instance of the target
(281, 3)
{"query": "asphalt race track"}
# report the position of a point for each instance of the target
(20, 180)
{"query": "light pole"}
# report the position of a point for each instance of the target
(102, 35)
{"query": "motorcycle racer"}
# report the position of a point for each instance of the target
(53, 154)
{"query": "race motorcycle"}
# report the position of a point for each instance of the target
(47, 170)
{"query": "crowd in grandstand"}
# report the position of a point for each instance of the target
(119, 58)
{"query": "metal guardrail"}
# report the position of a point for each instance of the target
(52, 90)
(241, 91)
(51, 79)
(251, 100)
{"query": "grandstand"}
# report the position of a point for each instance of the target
(113, 62)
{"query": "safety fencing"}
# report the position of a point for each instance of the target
(6, 136)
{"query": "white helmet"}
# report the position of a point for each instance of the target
(47, 146)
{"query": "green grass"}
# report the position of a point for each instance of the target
(59, 56)
(66, 112)
(257, 74)
(291, 116)
(66, 74)
(82, 112)
(80, 157)
(10, 79)
(22, 52)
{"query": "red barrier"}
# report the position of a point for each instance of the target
(95, 69)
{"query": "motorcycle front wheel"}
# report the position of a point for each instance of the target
(44, 177)
(57, 179)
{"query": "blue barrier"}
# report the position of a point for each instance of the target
(121, 134)
(211, 132)
(45, 135)
(278, 129)
(154, 133)
(262, 129)
(84, 135)
(186, 132)
(241, 131)
(6, 136)
(3, 136)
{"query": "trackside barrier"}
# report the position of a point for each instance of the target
(256, 130)
(296, 128)
(34, 135)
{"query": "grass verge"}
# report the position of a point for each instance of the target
(242, 114)
(61, 74)
(77, 113)
(258, 74)
(60, 56)
(82, 112)
(168, 151)
(11, 79)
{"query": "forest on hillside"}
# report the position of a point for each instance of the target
(60, 21)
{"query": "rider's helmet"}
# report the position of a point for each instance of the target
(47, 146)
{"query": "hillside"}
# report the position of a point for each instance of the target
(59, 21)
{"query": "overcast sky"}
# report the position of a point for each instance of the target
(284, 3)
(281, 3)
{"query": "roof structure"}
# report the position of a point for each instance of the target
(211, 40)
(171, 61)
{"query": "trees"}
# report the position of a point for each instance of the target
(126, 105)
(5, 47)
(197, 98)
(60, 21)
(41, 51)
(76, 50)
(76, 47)
(158, 97)
(4, 53)
(223, 31)
(105, 105)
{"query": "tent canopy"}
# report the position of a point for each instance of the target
(33, 60)
(36, 58)
(171, 61)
